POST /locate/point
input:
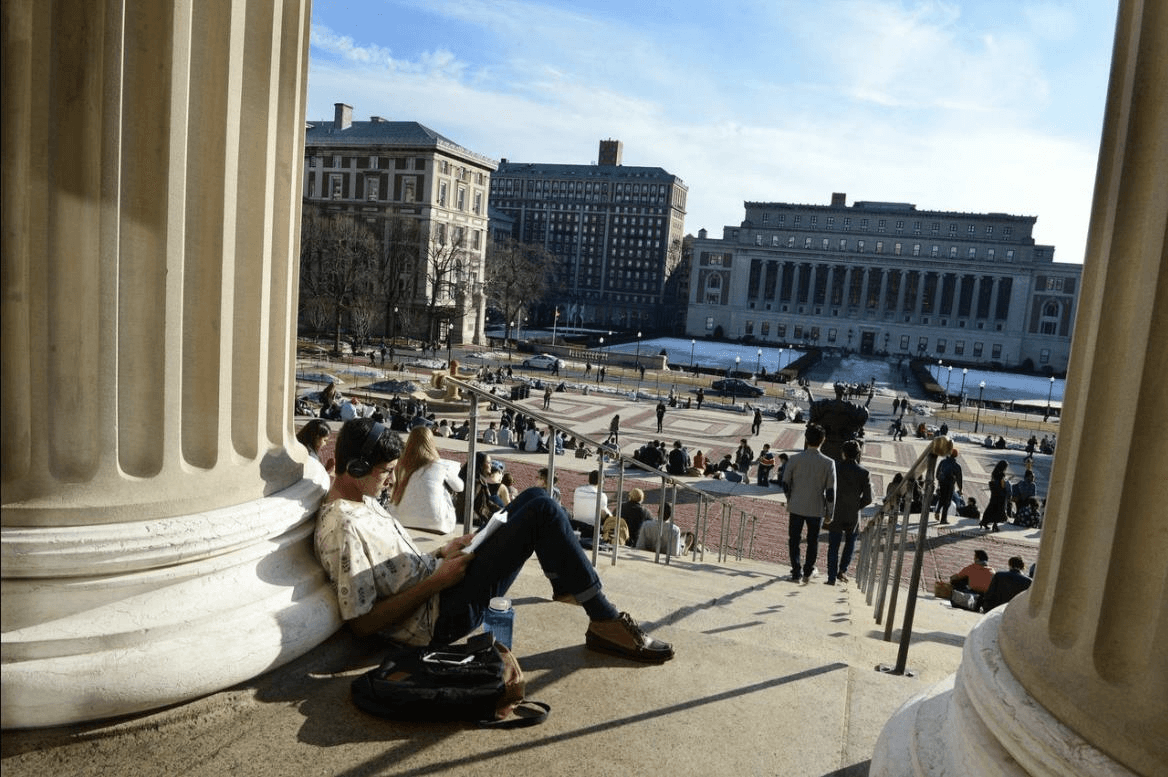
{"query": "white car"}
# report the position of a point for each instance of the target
(544, 361)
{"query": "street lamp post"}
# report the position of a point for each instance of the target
(393, 334)
(1049, 393)
(514, 337)
(737, 362)
(948, 378)
(961, 398)
(692, 344)
(980, 394)
(779, 368)
(638, 360)
(601, 364)
(758, 367)
(555, 321)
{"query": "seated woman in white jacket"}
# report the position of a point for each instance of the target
(422, 493)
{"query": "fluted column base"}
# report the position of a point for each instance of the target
(981, 721)
(247, 597)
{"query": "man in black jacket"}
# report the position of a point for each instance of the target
(853, 490)
(1005, 585)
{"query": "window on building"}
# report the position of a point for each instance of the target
(959, 348)
(807, 242)
(709, 323)
(952, 252)
(904, 342)
(941, 344)
(997, 352)
(859, 246)
(922, 344)
(1009, 254)
(879, 246)
(774, 240)
(881, 225)
(952, 229)
(1044, 356)
(336, 184)
(900, 225)
(971, 229)
(897, 248)
(830, 222)
(766, 328)
(989, 229)
(758, 240)
(843, 244)
(780, 331)
(916, 249)
(831, 335)
(442, 191)
(796, 220)
(990, 254)
(478, 203)
(972, 253)
(847, 222)
(791, 241)
(371, 188)
(977, 350)
(798, 331)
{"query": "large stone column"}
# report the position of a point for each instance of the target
(155, 504)
(1072, 679)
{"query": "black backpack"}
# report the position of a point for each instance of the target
(479, 681)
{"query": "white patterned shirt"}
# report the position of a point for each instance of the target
(369, 556)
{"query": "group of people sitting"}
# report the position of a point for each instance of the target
(978, 587)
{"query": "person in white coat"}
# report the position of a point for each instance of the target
(424, 485)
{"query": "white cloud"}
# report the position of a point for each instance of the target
(940, 104)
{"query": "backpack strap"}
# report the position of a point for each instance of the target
(526, 713)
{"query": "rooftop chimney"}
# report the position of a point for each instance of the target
(343, 119)
(610, 153)
(839, 200)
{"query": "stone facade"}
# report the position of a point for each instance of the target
(887, 278)
(156, 505)
(616, 229)
(383, 172)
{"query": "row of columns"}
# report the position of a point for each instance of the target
(773, 271)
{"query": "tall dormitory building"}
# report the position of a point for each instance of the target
(381, 171)
(886, 278)
(616, 229)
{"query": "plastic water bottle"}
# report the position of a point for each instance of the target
(500, 620)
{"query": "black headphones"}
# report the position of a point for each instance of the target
(360, 466)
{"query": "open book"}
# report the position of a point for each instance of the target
(497, 520)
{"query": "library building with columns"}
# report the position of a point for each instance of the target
(886, 278)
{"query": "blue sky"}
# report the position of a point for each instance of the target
(983, 105)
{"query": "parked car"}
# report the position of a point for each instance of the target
(543, 361)
(737, 387)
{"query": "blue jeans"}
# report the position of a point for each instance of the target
(836, 562)
(794, 534)
(535, 524)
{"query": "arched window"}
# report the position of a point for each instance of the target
(1051, 314)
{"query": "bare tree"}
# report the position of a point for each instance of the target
(337, 255)
(397, 270)
(517, 274)
(362, 312)
(450, 275)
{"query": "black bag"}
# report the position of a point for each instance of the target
(479, 681)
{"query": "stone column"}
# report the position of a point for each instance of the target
(155, 503)
(1072, 679)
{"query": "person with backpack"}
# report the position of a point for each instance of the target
(385, 584)
(743, 458)
(948, 483)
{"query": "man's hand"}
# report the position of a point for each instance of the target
(451, 570)
(455, 546)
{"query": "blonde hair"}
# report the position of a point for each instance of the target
(420, 450)
(636, 495)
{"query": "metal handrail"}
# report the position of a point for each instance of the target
(879, 544)
(705, 501)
